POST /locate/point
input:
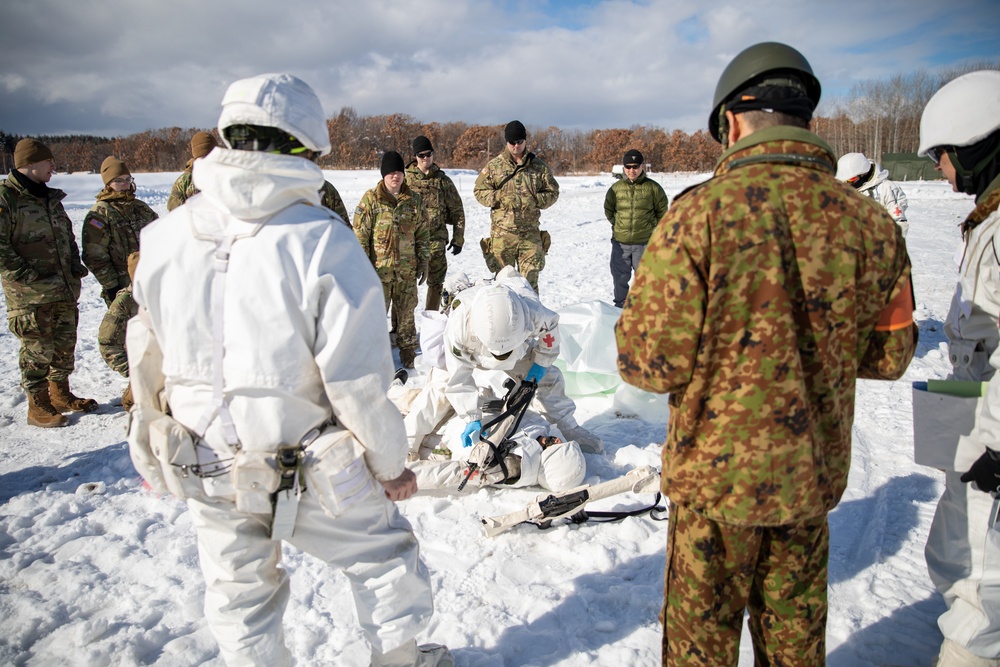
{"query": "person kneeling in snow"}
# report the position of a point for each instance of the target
(498, 326)
(872, 181)
(541, 456)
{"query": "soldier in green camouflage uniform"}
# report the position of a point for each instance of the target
(392, 228)
(111, 228)
(202, 144)
(111, 335)
(444, 207)
(40, 271)
(516, 186)
(763, 294)
(330, 198)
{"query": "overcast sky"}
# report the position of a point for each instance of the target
(110, 68)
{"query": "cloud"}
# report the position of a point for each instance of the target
(125, 67)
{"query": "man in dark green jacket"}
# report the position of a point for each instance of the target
(633, 206)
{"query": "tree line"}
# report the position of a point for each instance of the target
(878, 116)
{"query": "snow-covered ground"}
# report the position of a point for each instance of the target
(94, 570)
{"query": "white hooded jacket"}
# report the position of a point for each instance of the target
(302, 314)
(890, 195)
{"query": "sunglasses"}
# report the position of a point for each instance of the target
(124, 180)
(425, 155)
(633, 166)
(516, 143)
(935, 153)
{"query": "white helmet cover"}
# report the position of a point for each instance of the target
(562, 467)
(277, 100)
(499, 319)
(964, 111)
(851, 165)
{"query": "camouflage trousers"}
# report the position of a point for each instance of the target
(715, 571)
(401, 297)
(48, 342)
(437, 266)
(525, 253)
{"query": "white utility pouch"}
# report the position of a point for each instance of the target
(140, 450)
(946, 426)
(255, 477)
(173, 446)
(335, 470)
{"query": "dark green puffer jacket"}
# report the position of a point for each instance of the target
(634, 208)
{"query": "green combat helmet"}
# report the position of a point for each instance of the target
(750, 66)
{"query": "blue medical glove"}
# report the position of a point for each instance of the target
(470, 428)
(535, 373)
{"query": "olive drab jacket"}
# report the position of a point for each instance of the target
(39, 258)
(111, 233)
(633, 208)
(441, 200)
(183, 188)
(393, 232)
(762, 296)
(515, 192)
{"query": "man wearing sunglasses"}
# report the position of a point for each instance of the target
(111, 228)
(516, 186)
(443, 207)
(41, 270)
(872, 181)
(960, 132)
(633, 206)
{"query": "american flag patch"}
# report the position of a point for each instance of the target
(97, 222)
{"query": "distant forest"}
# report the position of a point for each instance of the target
(877, 116)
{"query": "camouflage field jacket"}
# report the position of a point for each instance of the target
(441, 200)
(515, 192)
(762, 295)
(393, 232)
(111, 233)
(331, 199)
(39, 259)
(183, 188)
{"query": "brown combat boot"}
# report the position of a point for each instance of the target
(127, 400)
(64, 400)
(406, 357)
(433, 301)
(40, 410)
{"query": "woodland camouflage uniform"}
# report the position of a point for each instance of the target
(515, 205)
(110, 234)
(762, 295)
(41, 271)
(393, 233)
(330, 198)
(183, 188)
(443, 206)
(111, 334)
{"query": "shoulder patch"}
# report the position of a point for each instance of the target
(483, 172)
(97, 222)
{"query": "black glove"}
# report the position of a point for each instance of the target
(454, 247)
(985, 472)
(109, 295)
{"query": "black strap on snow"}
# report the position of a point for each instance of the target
(656, 513)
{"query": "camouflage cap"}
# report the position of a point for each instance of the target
(112, 168)
(29, 151)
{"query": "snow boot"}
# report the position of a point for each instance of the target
(411, 655)
(406, 357)
(64, 400)
(433, 301)
(40, 410)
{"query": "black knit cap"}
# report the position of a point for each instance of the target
(421, 144)
(633, 157)
(514, 131)
(392, 161)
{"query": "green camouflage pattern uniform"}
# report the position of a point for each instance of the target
(393, 233)
(40, 271)
(110, 234)
(330, 198)
(755, 307)
(183, 188)
(111, 334)
(516, 193)
(443, 205)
